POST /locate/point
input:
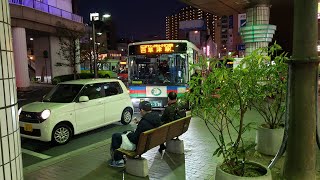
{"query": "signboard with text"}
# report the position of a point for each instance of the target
(157, 48)
(242, 20)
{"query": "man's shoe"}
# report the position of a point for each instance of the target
(119, 164)
(162, 147)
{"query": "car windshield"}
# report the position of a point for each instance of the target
(63, 93)
(163, 69)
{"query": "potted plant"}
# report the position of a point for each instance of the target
(221, 101)
(268, 82)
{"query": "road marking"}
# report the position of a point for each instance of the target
(38, 155)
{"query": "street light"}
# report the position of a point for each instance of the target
(106, 16)
(94, 17)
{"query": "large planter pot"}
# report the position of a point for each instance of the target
(266, 174)
(269, 140)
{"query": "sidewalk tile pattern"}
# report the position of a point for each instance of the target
(196, 163)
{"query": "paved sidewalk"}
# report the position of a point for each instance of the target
(196, 163)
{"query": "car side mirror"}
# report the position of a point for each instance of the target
(83, 99)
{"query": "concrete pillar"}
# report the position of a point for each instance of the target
(10, 146)
(20, 57)
(258, 32)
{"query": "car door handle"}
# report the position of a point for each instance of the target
(100, 102)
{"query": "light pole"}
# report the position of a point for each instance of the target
(94, 17)
(105, 17)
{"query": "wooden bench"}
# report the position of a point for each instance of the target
(138, 166)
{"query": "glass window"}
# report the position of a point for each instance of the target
(112, 88)
(63, 93)
(93, 91)
(169, 69)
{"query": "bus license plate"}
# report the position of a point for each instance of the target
(28, 127)
(156, 103)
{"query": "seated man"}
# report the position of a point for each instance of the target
(171, 113)
(149, 120)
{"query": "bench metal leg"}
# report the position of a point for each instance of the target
(175, 146)
(137, 167)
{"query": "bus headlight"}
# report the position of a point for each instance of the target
(45, 114)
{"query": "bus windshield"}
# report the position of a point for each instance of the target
(169, 69)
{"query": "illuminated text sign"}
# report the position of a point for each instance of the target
(156, 48)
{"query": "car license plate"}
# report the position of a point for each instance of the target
(28, 127)
(156, 103)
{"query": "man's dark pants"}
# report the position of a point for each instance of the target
(115, 144)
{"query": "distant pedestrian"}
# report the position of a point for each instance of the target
(129, 140)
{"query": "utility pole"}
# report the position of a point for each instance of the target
(94, 50)
(300, 160)
(94, 17)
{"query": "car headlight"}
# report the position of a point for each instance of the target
(19, 111)
(45, 114)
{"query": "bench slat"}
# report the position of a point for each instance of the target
(157, 137)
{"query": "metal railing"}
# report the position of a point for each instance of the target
(35, 4)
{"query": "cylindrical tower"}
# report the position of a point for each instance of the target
(10, 146)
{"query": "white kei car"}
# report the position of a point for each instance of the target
(75, 107)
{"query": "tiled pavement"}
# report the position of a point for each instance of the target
(196, 163)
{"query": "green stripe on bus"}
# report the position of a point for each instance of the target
(137, 95)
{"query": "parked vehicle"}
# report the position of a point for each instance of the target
(75, 107)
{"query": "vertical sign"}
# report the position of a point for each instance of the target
(242, 20)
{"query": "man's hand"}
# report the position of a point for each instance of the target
(136, 121)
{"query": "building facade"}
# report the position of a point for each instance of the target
(34, 31)
(173, 22)
(228, 37)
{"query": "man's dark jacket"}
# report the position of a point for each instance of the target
(169, 113)
(148, 121)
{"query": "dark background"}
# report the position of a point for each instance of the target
(134, 19)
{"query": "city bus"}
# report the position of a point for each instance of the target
(156, 68)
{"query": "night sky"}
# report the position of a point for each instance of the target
(137, 19)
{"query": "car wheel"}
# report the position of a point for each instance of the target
(126, 116)
(61, 134)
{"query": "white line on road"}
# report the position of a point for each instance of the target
(38, 155)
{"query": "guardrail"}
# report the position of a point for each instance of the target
(35, 4)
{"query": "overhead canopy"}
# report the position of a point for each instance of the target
(224, 7)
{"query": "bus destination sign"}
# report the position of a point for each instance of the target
(159, 48)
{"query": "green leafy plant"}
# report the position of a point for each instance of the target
(222, 100)
(268, 83)
(221, 96)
